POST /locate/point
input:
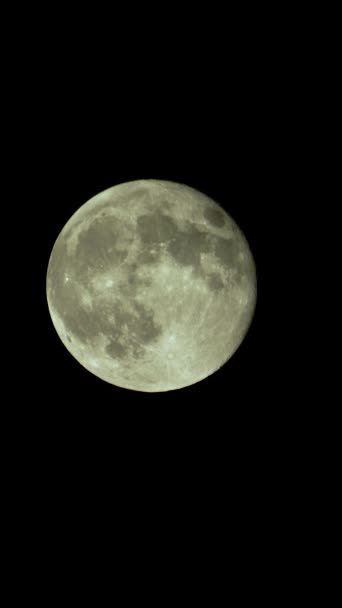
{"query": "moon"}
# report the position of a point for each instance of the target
(151, 286)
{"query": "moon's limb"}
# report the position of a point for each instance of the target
(151, 285)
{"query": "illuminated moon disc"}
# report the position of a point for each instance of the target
(151, 286)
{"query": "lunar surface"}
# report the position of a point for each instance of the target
(151, 286)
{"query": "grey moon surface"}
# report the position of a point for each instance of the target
(151, 286)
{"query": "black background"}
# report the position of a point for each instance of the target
(213, 104)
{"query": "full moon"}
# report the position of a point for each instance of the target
(151, 286)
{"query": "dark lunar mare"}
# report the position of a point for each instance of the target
(85, 325)
(214, 216)
(186, 244)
